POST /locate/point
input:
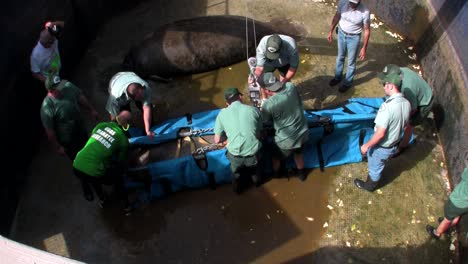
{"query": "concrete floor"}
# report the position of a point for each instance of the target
(280, 222)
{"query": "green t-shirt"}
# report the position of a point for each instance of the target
(63, 114)
(459, 195)
(107, 144)
(393, 115)
(286, 111)
(242, 124)
(415, 88)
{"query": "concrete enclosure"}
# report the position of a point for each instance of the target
(438, 29)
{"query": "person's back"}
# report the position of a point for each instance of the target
(415, 88)
(396, 117)
(63, 114)
(242, 125)
(107, 144)
(286, 110)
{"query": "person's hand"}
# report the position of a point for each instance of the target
(362, 54)
(251, 79)
(330, 36)
(364, 149)
(150, 134)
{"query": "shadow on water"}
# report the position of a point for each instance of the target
(208, 226)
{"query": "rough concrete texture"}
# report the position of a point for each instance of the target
(323, 220)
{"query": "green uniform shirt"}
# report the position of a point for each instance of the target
(459, 195)
(415, 88)
(286, 111)
(393, 115)
(289, 53)
(63, 114)
(107, 144)
(242, 124)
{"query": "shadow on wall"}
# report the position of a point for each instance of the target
(439, 25)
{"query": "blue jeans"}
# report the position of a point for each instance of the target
(376, 159)
(347, 44)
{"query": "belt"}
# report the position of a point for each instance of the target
(350, 34)
(389, 147)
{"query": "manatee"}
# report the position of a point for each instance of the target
(196, 45)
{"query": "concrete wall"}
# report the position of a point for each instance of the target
(20, 94)
(439, 29)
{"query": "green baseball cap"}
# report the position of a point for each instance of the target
(51, 81)
(231, 92)
(273, 47)
(390, 68)
(269, 81)
(392, 78)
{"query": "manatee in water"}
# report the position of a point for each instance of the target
(198, 45)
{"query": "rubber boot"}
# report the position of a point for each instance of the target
(368, 185)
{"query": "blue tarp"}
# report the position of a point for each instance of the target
(334, 141)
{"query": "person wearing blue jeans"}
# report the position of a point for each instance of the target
(390, 122)
(353, 17)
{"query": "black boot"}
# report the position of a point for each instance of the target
(368, 185)
(236, 184)
(302, 174)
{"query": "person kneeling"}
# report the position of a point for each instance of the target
(103, 160)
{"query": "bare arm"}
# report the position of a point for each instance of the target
(52, 23)
(147, 112)
(258, 71)
(362, 54)
(289, 75)
(378, 135)
(334, 22)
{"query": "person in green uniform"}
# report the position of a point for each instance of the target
(390, 122)
(417, 91)
(241, 124)
(61, 116)
(104, 159)
(285, 110)
(455, 207)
